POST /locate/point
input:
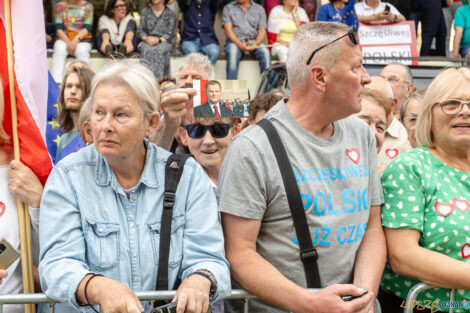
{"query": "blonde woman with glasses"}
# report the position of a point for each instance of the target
(427, 200)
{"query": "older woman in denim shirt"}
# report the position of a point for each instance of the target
(102, 207)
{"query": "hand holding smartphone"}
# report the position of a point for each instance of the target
(167, 308)
(349, 298)
(171, 308)
(8, 254)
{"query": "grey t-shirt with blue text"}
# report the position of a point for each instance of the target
(338, 182)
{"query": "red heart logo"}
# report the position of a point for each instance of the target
(391, 153)
(443, 209)
(2, 208)
(466, 251)
(354, 155)
(461, 205)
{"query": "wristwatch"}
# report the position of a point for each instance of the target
(395, 17)
(207, 274)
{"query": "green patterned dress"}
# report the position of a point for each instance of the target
(423, 193)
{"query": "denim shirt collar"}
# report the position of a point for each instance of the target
(105, 176)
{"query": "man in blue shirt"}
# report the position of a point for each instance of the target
(198, 32)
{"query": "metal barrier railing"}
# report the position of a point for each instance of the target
(142, 295)
(416, 290)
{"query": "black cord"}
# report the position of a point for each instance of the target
(86, 296)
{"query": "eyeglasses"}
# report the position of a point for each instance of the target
(217, 130)
(410, 120)
(394, 79)
(352, 34)
(121, 6)
(453, 106)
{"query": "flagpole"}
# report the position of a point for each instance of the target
(24, 222)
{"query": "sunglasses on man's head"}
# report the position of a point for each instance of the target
(352, 34)
(217, 130)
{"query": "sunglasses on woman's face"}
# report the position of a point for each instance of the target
(217, 130)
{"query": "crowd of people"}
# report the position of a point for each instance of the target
(354, 184)
(247, 26)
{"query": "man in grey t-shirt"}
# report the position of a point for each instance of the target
(334, 159)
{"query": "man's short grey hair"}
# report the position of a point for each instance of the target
(199, 61)
(408, 75)
(307, 38)
(135, 76)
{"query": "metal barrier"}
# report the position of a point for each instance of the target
(142, 295)
(416, 290)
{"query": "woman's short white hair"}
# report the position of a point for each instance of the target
(452, 83)
(199, 61)
(307, 38)
(135, 76)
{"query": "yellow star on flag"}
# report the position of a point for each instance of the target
(57, 140)
(54, 123)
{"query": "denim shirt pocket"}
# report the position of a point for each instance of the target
(176, 241)
(102, 240)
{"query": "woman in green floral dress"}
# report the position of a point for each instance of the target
(426, 215)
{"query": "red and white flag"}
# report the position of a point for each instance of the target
(31, 81)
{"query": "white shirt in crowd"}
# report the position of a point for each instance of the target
(363, 9)
(13, 284)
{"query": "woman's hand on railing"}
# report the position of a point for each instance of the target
(193, 295)
(111, 295)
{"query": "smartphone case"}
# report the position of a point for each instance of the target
(8, 254)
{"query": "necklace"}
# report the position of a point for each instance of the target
(454, 165)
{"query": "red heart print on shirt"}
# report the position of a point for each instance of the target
(2, 208)
(466, 251)
(354, 155)
(461, 205)
(391, 153)
(443, 209)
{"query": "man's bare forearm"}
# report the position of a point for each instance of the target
(261, 278)
(371, 255)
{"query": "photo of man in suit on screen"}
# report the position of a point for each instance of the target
(213, 107)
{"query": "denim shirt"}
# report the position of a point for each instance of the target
(89, 224)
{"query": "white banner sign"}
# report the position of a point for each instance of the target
(385, 34)
(393, 41)
(377, 53)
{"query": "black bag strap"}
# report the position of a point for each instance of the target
(308, 254)
(173, 171)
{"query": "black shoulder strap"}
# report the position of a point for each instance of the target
(173, 171)
(308, 254)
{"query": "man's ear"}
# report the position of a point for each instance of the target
(394, 103)
(409, 89)
(318, 77)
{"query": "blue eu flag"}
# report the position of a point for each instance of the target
(349, 15)
(53, 124)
